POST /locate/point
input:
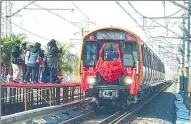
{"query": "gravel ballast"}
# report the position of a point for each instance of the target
(161, 110)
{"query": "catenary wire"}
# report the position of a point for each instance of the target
(20, 9)
(152, 19)
(84, 13)
(132, 18)
(57, 15)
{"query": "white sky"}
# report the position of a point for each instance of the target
(104, 13)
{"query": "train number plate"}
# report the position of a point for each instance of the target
(109, 93)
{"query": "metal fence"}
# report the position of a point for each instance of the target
(18, 99)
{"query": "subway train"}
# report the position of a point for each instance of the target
(117, 68)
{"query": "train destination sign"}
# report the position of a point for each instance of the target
(110, 35)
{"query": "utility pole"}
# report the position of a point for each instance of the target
(0, 60)
(183, 55)
(188, 51)
(8, 20)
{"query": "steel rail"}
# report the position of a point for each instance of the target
(125, 116)
(117, 117)
(35, 113)
(76, 119)
(129, 116)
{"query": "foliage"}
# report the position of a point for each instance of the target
(7, 43)
(67, 60)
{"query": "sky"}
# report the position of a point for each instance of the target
(103, 13)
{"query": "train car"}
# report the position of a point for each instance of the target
(115, 66)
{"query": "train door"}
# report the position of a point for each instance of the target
(130, 54)
(150, 66)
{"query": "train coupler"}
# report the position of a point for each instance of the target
(132, 99)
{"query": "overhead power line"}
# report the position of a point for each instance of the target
(57, 15)
(50, 9)
(83, 13)
(20, 9)
(152, 20)
(169, 16)
(75, 43)
(179, 5)
(132, 18)
(29, 31)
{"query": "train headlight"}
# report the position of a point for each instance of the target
(128, 80)
(91, 80)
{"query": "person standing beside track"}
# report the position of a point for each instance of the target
(52, 60)
(15, 60)
(26, 61)
(32, 64)
(40, 57)
(23, 53)
(42, 69)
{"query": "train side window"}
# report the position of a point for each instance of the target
(90, 53)
(130, 53)
(149, 60)
(164, 68)
(157, 64)
(161, 67)
(154, 61)
(147, 57)
(143, 54)
(144, 60)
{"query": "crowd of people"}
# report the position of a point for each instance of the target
(32, 65)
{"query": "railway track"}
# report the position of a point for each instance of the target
(125, 116)
(50, 111)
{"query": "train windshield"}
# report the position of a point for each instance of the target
(110, 51)
(130, 53)
(90, 53)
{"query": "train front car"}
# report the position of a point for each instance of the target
(110, 66)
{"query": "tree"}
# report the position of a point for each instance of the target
(7, 43)
(67, 60)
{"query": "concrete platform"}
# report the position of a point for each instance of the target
(182, 113)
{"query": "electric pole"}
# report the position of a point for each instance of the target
(183, 55)
(188, 51)
(0, 60)
(6, 25)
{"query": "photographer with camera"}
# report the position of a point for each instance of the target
(52, 60)
(15, 60)
(23, 53)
